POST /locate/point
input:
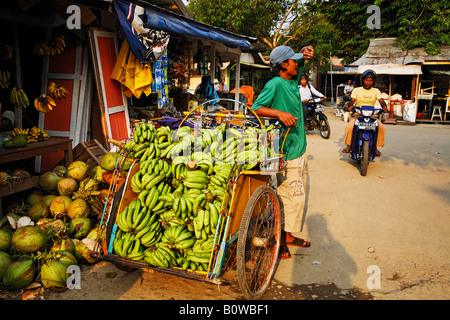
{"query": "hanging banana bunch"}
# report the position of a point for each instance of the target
(18, 98)
(44, 103)
(6, 52)
(4, 79)
(56, 91)
(51, 47)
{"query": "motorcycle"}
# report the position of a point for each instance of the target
(364, 140)
(315, 119)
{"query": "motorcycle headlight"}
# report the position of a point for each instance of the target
(367, 113)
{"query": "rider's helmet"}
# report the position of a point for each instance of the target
(304, 76)
(369, 74)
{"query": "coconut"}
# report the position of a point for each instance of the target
(59, 205)
(79, 227)
(48, 199)
(65, 244)
(83, 253)
(5, 261)
(20, 174)
(5, 240)
(79, 208)
(58, 226)
(38, 211)
(67, 186)
(28, 239)
(49, 181)
(19, 274)
(77, 170)
(67, 258)
(61, 171)
(4, 178)
(109, 161)
(54, 274)
(97, 174)
(34, 197)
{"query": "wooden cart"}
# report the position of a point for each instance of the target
(250, 224)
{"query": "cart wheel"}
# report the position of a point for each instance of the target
(258, 242)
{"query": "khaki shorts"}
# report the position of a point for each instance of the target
(291, 191)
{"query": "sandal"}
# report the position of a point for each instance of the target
(298, 242)
(284, 252)
(378, 153)
(346, 150)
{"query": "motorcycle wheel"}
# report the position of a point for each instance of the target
(324, 129)
(364, 164)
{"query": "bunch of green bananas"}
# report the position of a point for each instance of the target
(19, 98)
(127, 246)
(5, 76)
(160, 255)
(198, 256)
(178, 237)
(138, 220)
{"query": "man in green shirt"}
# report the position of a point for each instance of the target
(280, 98)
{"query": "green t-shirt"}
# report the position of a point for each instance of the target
(284, 95)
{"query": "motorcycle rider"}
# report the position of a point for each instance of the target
(368, 96)
(307, 93)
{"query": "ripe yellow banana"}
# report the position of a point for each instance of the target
(44, 103)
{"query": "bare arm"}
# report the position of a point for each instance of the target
(285, 117)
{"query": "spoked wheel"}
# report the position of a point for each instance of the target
(324, 128)
(258, 242)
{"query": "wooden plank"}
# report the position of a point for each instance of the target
(37, 149)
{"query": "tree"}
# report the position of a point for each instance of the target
(415, 23)
(272, 22)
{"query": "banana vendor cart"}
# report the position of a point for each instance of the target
(195, 218)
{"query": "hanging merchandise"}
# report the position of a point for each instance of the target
(160, 83)
(136, 77)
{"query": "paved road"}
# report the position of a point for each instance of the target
(394, 222)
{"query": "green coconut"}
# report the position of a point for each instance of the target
(78, 170)
(5, 262)
(49, 181)
(61, 171)
(79, 208)
(67, 258)
(48, 199)
(59, 205)
(79, 227)
(28, 239)
(83, 253)
(67, 186)
(5, 240)
(38, 211)
(109, 161)
(34, 197)
(19, 274)
(65, 244)
(54, 274)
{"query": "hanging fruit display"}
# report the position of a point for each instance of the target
(19, 98)
(56, 91)
(44, 103)
(51, 47)
(5, 76)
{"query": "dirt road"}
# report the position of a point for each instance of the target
(383, 236)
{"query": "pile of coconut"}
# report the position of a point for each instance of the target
(57, 226)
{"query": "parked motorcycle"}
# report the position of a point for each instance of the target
(364, 140)
(316, 119)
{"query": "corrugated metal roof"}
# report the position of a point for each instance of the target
(385, 51)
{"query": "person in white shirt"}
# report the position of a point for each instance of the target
(221, 86)
(348, 90)
(307, 93)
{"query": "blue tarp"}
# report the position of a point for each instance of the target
(136, 20)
